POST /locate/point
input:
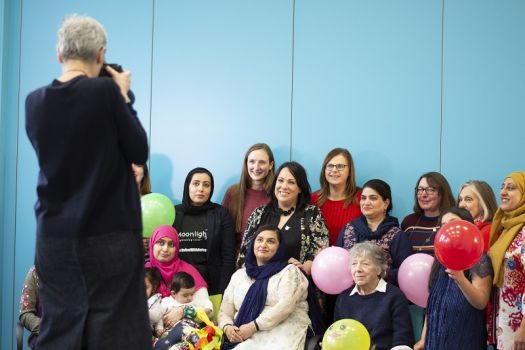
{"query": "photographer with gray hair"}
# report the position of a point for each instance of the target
(88, 247)
(380, 306)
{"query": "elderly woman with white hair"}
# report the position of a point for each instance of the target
(380, 306)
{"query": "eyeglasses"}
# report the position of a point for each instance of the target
(162, 243)
(338, 167)
(428, 190)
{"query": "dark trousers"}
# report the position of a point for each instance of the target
(174, 336)
(92, 293)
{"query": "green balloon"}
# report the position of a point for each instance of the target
(157, 209)
(346, 334)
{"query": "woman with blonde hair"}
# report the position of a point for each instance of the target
(339, 195)
(258, 170)
(478, 198)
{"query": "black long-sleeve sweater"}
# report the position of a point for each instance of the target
(85, 138)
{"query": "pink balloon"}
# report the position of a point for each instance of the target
(413, 275)
(331, 270)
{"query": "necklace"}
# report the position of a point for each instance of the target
(286, 212)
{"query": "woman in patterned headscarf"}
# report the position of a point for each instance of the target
(507, 251)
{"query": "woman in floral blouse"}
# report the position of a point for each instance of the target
(302, 224)
(30, 308)
(507, 251)
(378, 226)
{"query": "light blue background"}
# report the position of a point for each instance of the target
(407, 86)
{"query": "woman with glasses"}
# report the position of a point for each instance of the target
(432, 195)
(164, 255)
(507, 242)
(479, 199)
(205, 231)
(339, 195)
(241, 199)
(376, 225)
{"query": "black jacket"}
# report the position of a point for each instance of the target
(220, 249)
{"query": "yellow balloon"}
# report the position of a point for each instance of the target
(345, 335)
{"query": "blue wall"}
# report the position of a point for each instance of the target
(367, 74)
(484, 81)
(408, 87)
(221, 81)
(8, 155)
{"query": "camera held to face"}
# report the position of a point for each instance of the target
(118, 68)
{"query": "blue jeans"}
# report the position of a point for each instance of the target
(92, 292)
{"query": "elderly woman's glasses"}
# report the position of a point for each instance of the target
(428, 190)
(162, 243)
(338, 167)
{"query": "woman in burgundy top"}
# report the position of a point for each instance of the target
(258, 171)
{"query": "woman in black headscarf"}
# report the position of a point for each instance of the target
(205, 231)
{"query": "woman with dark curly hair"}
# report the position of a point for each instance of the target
(303, 226)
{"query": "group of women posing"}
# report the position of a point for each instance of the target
(218, 239)
(270, 228)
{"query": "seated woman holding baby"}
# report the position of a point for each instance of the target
(187, 288)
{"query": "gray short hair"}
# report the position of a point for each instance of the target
(373, 251)
(81, 37)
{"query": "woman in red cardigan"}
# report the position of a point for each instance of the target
(339, 195)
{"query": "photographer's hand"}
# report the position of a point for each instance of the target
(123, 81)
